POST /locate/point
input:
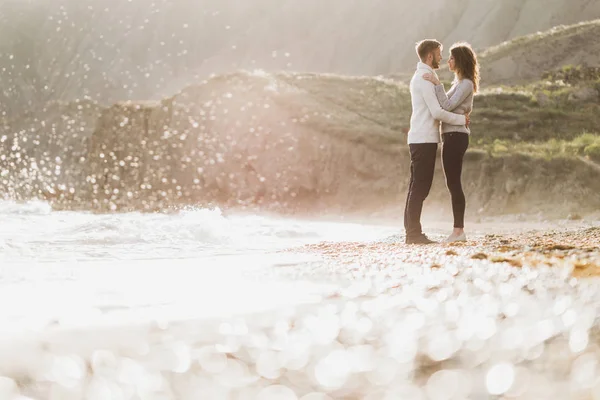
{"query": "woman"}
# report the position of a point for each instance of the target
(455, 139)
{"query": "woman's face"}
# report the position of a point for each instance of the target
(451, 62)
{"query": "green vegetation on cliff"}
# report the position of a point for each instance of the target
(558, 109)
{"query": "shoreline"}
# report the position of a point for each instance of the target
(375, 320)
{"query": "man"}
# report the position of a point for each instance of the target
(423, 137)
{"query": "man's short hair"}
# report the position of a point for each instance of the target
(424, 47)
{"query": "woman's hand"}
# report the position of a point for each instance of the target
(431, 78)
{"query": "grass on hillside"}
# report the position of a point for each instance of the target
(519, 117)
(376, 112)
(561, 106)
(366, 110)
(584, 145)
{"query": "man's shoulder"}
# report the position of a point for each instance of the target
(418, 79)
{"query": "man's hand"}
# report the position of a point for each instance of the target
(431, 78)
(468, 118)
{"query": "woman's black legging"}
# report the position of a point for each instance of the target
(454, 147)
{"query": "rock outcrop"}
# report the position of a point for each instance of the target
(244, 141)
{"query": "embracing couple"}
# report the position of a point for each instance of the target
(430, 105)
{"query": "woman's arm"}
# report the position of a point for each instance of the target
(461, 91)
(428, 92)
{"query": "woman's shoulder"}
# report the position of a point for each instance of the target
(466, 84)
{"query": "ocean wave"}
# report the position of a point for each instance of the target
(190, 233)
(33, 207)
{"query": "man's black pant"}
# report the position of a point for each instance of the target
(422, 166)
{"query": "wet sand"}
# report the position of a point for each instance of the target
(505, 315)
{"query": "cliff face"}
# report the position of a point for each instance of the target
(526, 59)
(265, 142)
(519, 184)
(240, 141)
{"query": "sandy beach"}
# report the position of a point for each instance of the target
(506, 315)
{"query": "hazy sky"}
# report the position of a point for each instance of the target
(145, 49)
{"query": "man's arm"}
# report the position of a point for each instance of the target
(460, 93)
(428, 91)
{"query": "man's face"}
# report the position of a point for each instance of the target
(437, 58)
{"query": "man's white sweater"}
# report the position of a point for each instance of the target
(426, 109)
